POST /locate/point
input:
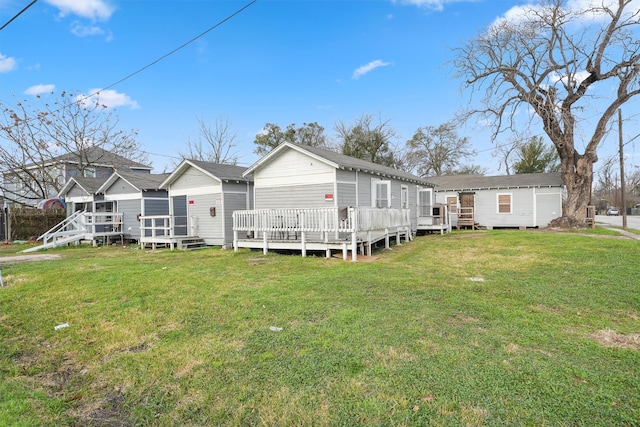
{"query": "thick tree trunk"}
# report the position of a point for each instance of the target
(577, 174)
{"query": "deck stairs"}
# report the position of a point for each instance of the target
(190, 243)
(69, 230)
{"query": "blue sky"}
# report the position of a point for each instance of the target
(278, 61)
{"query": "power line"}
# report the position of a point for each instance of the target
(237, 12)
(19, 13)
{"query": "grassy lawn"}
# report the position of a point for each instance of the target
(470, 329)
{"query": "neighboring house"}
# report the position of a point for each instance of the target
(132, 195)
(28, 184)
(202, 199)
(510, 201)
(308, 197)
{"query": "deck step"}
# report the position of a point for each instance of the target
(191, 243)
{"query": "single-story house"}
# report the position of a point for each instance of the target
(202, 199)
(131, 195)
(508, 201)
(310, 198)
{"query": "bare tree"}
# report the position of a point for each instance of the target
(72, 128)
(369, 141)
(438, 150)
(213, 144)
(561, 63)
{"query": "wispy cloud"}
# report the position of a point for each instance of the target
(80, 30)
(430, 4)
(7, 63)
(39, 89)
(109, 98)
(97, 10)
(364, 69)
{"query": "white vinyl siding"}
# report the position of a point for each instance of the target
(292, 168)
(194, 181)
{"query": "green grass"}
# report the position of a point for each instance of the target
(482, 328)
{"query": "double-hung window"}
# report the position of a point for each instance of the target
(381, 192)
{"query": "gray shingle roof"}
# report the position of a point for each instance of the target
(99, 156)
(143, 181)
(222, 171)
(478, 182)
(351, 163)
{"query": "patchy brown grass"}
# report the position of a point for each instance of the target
(612, 339)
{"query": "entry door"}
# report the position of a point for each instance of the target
(179, 215)
(466, 214)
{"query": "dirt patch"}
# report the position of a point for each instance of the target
(28, 258)
(612, 339)
(565, 223)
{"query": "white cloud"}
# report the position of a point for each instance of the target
(39, 89)
(431, 4)
(585, 9)
(364, 69)
(86, 31)
(7, 63)
(109, 98)
(99, 10)
(577, 78)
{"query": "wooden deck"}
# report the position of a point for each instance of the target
(349, 230)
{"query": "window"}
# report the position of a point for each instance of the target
(381, 191)
(404, 197)
(424, 203)
(452, 204)
(89, 173)
(504, 203)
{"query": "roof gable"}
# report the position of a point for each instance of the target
(218, 171)
(137, 181)
(88, 185)
(339, 161)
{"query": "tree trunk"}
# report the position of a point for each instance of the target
(577, 174)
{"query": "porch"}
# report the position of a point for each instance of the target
(435, 218)
(352, 229)
(167, 231)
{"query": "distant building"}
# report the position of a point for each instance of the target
(30, 184)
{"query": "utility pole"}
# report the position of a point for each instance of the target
(622, 189)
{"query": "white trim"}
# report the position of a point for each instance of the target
(374, 191)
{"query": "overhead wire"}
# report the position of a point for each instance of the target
(18, 14)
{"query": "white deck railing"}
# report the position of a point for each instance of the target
(327, 226)
(158, 227)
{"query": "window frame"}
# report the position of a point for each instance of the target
(375, 199)
(425, 209)
(500, 204)
(404, 196)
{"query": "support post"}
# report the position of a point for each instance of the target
(386, 238)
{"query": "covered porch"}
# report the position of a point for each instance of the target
(351, 229)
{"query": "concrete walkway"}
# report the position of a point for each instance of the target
(621, 231)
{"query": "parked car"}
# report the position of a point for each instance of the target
(612, 211)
